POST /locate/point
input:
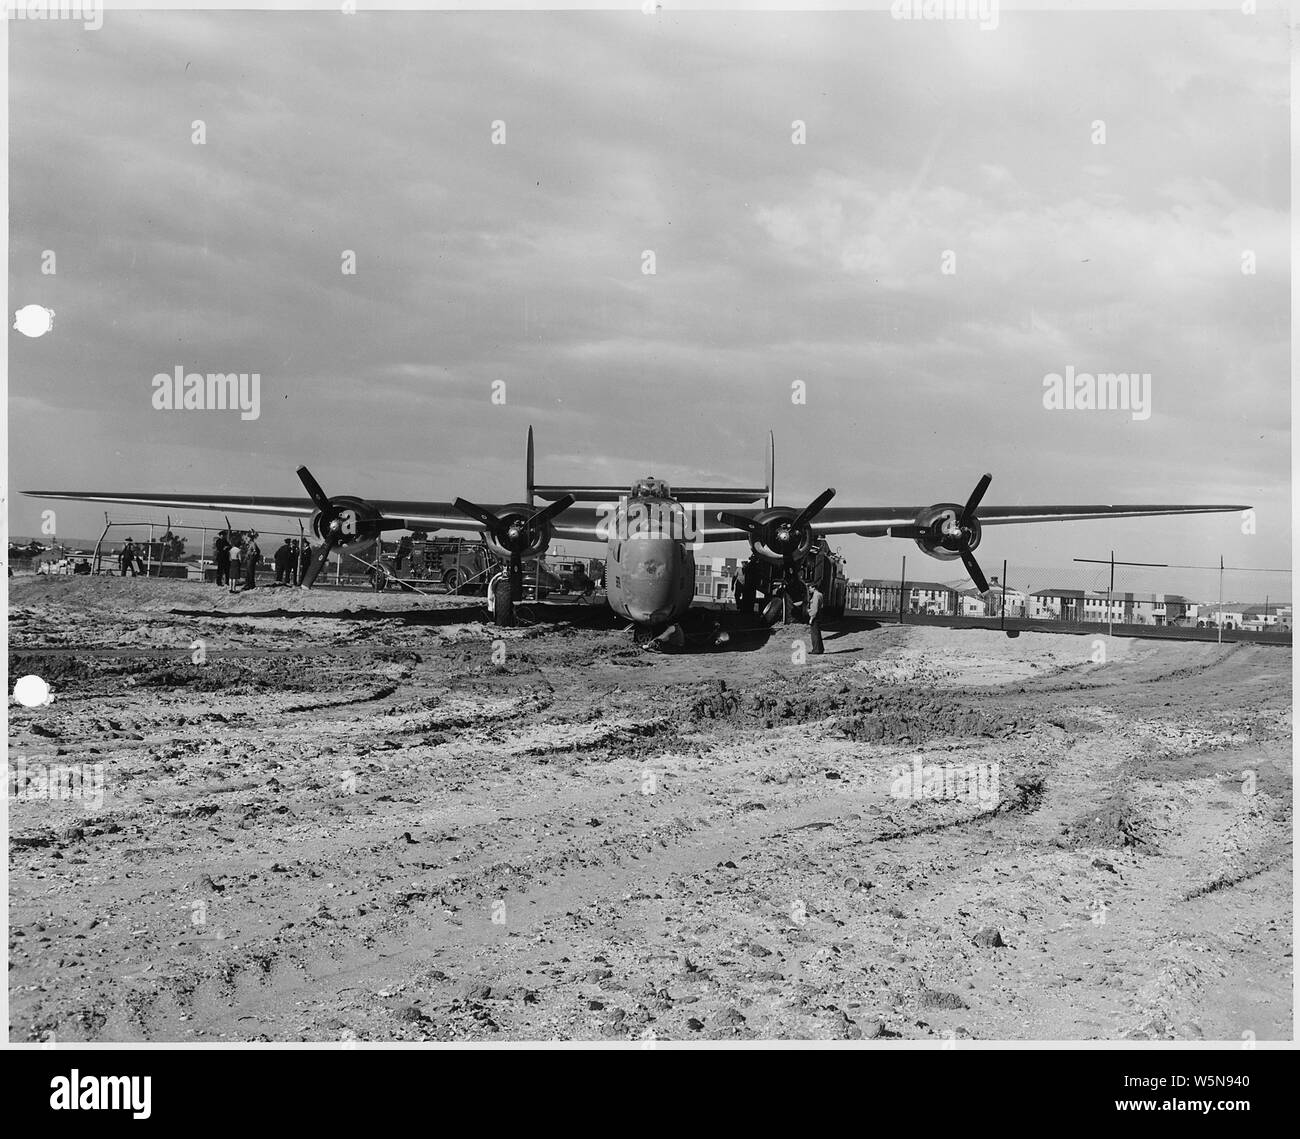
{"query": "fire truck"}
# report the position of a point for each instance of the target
(461, 565)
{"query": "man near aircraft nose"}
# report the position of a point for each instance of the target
(815, 601)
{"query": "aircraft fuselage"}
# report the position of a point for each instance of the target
(649, 563)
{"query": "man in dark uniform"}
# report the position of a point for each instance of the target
(304, 559)
(748, 587)
(252, 555)
(283, 561)
(221, 557)
(128, 561)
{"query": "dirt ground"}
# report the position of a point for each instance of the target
(365, 817)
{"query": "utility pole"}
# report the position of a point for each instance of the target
(1111, 592)
(1219, 622)
(902, 590)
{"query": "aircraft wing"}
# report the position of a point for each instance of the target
(881, 521)
(589, 524)
(576, 524)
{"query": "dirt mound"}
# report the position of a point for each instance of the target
(1115, 824)
(57, 669)
(892, 715)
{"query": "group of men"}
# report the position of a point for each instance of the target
(237, 556)
(291, 561)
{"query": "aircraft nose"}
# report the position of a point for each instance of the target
(644, 616)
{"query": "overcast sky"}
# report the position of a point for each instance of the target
(774, 261)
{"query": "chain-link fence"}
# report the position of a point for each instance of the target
(1191, 601)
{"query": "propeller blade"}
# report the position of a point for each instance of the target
(815, 507)
(739, 521)
(476, 512)
(558, 506)
(973, 568)
(314, 492)
(318, 560)
(972, 503)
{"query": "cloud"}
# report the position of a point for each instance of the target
(775, 262)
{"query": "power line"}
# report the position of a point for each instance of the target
(1230, 569)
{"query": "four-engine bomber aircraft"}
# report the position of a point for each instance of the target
(650, 529)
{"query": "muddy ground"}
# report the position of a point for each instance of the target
(364, 817)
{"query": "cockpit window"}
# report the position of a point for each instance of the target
(649, 488)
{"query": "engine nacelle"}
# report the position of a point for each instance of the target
(518, 537)
(945, 533)
(357, 521)
(777, 537)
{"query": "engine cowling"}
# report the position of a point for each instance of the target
(343, 522)
(942, 533)
(779, 536)
(353, 522)
(517, 530)
(522, 532)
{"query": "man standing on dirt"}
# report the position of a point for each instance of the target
(304, 560)
(747, 591)
(252, 556)
(221, 556)
(815, 601)
(128, 560)
(738, 585)
(284, 559)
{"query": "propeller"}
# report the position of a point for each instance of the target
(964, 527)
(516, 531)
(783, 534)
(332, 523)
(947, 531)
(956, 532)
